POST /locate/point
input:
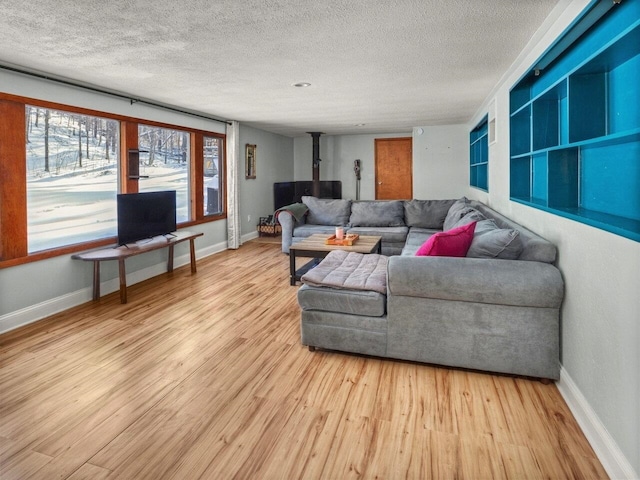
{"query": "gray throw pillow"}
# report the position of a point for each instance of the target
(472, 215)
(456, 212)
(381, 213)
(426, 213)
(325, 211)
(489, 241)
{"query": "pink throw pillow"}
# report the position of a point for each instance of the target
(452, 243)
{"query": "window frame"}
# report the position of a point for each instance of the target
(13, 188)
(222, 167)
(479, 155)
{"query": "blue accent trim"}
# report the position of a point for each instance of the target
(479, 155)
(575, 125)
(618, 225)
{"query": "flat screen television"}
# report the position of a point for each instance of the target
(145, 215)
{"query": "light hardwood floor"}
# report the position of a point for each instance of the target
(204, 376)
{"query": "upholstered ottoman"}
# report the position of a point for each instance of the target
(343, 302)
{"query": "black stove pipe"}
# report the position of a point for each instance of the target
(316, 163)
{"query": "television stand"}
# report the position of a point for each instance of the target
(122, 252)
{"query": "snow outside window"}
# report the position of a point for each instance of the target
(164, 164)
(72, 177)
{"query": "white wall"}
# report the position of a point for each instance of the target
(440, 161)
(31, 87)
(303, 158)
(601, 311)
(274, 163)
(35, 290)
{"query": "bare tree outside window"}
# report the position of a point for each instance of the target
(164, 165)
(71, 178)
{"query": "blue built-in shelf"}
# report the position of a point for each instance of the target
(479, 155)
(575, 127)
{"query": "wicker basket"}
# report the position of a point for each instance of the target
(268, 228)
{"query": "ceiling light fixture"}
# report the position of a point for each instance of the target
(302, 84)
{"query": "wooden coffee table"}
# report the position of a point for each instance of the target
(314, 246)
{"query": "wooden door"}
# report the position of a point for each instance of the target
(394, 168)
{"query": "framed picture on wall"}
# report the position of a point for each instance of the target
(250, 161)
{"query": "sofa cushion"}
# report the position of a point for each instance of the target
(489, 241)
(351, 271)
(470, 215)
(452, 243)
(388, 234)
(306, 230)
(426, 213)
(535, 248)
(385, 213)
(325, 211)
(415, 239)
(458, 210)
(352, 302)
(417, 236)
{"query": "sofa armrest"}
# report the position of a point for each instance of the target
(490, 281)
(288, 222)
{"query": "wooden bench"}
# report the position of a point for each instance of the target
(123, 252)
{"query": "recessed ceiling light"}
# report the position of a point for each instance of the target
(302, 84)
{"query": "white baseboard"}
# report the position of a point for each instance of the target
(605, 447)
(52, 306)
(205, 252)
(248, 236)
(44, 309)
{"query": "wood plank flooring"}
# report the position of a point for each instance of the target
(204, 376)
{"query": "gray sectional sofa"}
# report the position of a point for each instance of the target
(498, 309)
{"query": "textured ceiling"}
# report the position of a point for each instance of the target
(390, 65)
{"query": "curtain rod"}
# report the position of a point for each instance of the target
(113, 94)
